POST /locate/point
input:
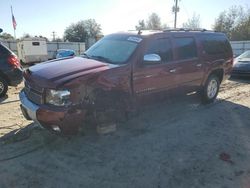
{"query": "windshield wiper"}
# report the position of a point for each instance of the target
(101, 58)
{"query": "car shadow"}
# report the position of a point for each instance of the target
(3, 98)
(12, 101)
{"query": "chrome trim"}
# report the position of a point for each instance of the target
(30, 107)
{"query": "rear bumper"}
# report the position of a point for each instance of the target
(66, 120)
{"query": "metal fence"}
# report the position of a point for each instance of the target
(78, 47)
(240, 46)
(52, 47)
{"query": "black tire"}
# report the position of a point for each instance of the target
(210, 90)
(3, 87)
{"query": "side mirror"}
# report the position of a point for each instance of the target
(151, 59)
(1, 30)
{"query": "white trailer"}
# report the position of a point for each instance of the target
(32, 50)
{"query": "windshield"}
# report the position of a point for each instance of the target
(245, 55)
(113, 49)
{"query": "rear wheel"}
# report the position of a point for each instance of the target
(3, 87)
(211, 89)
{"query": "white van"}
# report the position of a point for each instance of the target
(32, 50)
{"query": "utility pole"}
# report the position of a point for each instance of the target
(54, 35)
(175, 9)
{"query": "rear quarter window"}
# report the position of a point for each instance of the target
(215, 44)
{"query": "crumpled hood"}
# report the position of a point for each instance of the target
(52, 73)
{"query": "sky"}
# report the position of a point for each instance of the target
(44, 17)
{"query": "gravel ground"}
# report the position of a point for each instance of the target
(179, 143)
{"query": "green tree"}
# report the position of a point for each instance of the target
(93, 29)
(6, 36)
(193, 23)
(80, 31)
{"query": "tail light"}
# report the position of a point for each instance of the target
(13, 61)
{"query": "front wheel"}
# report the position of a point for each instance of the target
(3, 87)
(211, 89)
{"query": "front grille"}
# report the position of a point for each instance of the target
(34, 92)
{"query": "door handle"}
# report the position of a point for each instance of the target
(198, 65)
(172, 71)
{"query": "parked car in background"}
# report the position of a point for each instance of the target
(122, 69)
(65, 53)
(10, 70)
(241, 66)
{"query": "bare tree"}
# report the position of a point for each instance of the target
(154, 22)
(234, 22)
(193, 23)
(141, 25)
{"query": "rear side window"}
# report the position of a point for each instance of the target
(185, 47)
(215, 44)
(163, 48)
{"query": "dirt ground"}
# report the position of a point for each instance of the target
(177, 143)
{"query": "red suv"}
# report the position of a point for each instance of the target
(119, 70)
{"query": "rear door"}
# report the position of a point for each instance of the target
(190, 67)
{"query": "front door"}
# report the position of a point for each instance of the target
(151, 77)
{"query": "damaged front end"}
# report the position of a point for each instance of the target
(63, 118)
(65, 110)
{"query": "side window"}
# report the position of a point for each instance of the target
(163, 48)
(215, 45)
(186, 48)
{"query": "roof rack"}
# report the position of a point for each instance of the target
(144, 31)
(187, 30)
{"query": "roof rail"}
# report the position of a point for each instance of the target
(144, 31)
(187, 30)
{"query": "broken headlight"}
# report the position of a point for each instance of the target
(57, 97)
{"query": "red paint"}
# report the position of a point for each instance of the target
(133, 79)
